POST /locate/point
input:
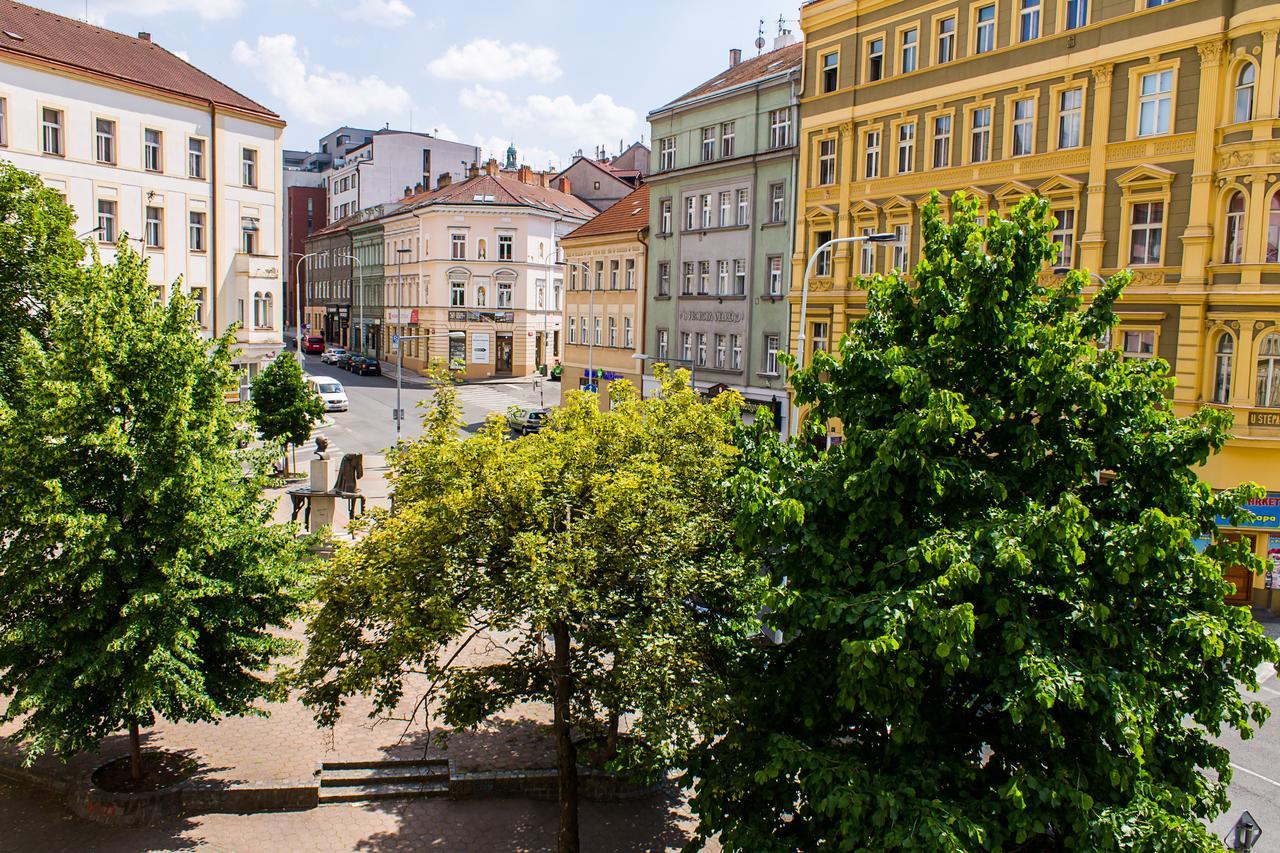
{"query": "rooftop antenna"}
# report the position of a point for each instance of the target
(760, 42)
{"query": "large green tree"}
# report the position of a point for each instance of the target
(38, 253)
(997, 632)
(141, 575)
(599, 548)
(284, 408)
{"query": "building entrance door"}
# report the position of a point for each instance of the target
(539, 350)
(505, 355)
(1240, 577)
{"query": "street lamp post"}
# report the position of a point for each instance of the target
(399, 413)
(804, 303)
(400, 253)
(297, 283)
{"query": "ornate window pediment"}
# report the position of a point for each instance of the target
(1145, 177)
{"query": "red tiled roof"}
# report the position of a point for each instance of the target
(507, 191)
(774, 62)
(67, 42)
(625, 217)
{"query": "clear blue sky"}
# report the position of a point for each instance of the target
(553, 76)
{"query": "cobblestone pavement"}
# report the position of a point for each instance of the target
(31, 823)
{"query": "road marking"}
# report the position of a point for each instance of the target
(1257, 775)
(1269, 690)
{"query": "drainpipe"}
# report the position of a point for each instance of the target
(214, 231)
(642, 288)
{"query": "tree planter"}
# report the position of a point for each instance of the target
(91, 801)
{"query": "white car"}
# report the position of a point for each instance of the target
(330, 356)
(330, 392)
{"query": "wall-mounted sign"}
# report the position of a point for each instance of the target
(457, 316)
(1266, 512)
(402, 316)
(480, 347)
(606, 375)
(1264, 419)
(711, 316)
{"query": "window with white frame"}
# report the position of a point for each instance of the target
(105, 140)
(582, 329)
(595, 330)
(909, 59)
(1273, 231)
(702, 350)
(506, 247)
(740, 277)
(664, 278)
(980, 135)
(1077, 14)
(1138, 345)
(107, 221)
(1028, 20)
(775, 275)
(195, 158)
(984, 29)
(1064, 234)
(708, 144)
(771, 354)
(1244, 92)
(248, 235)
(830, 72)
(686, 347)
(663, 343)
(628, 332)
(875, 59)
(249, 167)
(826, 162)
(667, 153)
(613, 331)
(1155, 102)
(744, 207)
(867, 254)
(573, 331)
(199, 297)
(1070, 118)
(941, 141)
(707, 211)
(691, 213)
(777, 203)
(1233, 234)
(506, 292)
(153, 232)
(458, 293)
(1024, 127)
(686, 284)
(613, 275)
(1146, 232)
(4, 122)
(725, 221)
(821, 337)
(901, 247)
(728, 136)
(664, 216)
(51, 131)
(195, 231)
(1269, 372)
(906, 148)
(735, 352)
(599, 275)
(458, 247)
(722, 352)
(704, 278)
(822, 267)
(722, 278)
(629, 277)
(1223, 363)
(779, 128)
(946, 39)
(871, 158)
(152, 148)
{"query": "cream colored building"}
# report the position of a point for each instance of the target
(472, 264)
(606, 263)
(1152, 127)
(140, 143)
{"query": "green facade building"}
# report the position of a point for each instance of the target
(722, 224)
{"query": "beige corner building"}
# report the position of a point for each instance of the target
(1151, 126)
(605, 263)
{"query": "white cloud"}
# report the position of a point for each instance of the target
(382, 13)
(583, 125)
(491, 61)
(210, 10)
(314, 94)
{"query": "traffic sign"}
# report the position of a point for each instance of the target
(1244, 835)
(395, 342)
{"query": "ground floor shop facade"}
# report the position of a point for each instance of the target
(477, 345)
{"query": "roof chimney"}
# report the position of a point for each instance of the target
(473, 171)
(144, 36)
(735, 57)
(491, 168)
(563, 185)
(445, 180)
(785, 38)
(526, 175)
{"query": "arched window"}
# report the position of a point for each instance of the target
(1233, 246)
(1269, 372)
(1222, 362)
(258, 319)
(1244, 92)
(1273, 231)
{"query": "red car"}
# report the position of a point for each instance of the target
(313, 345)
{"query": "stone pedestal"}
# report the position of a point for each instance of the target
(323, 507)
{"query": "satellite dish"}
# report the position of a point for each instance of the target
(760, 43)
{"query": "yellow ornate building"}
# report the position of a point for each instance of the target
(1152, 127)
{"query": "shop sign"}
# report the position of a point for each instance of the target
(733, 317)
(457, 316)
(1264, 419)
(479, 347)
(1266, 512)
(602, 375)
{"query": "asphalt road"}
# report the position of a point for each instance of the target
(369, 427)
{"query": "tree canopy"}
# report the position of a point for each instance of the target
(599, 548)
(998, 633)
(140, 573)
(284, 408)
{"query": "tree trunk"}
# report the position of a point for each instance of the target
(135, 752)
(565, 749)
(611, 736)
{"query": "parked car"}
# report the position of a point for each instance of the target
(525, 421)
(366, 365)
(344, 361)
(331, 355)
(313, 345)
(330, 392)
